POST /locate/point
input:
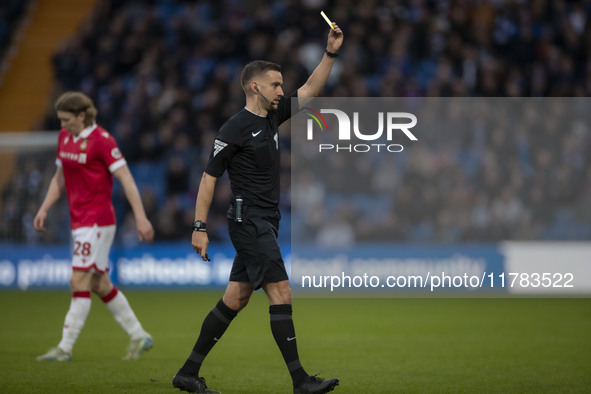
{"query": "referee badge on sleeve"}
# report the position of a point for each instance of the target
(218, 146)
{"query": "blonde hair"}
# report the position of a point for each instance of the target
(77, 102)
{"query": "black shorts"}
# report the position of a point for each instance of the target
(258, 256)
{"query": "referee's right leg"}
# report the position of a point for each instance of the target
(214, 325)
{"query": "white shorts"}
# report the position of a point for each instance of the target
(91, 248)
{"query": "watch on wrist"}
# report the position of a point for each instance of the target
(198, 225)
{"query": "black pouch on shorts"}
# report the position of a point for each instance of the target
(237, 211)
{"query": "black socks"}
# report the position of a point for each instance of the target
(284, 334)
(214, 326)
(218, 320)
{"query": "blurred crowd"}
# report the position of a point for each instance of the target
(164, 75)
(482, 170)
(11, 13)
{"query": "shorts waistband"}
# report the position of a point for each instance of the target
(253, 208)
(253, 211)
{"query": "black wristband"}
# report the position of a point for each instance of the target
(331, 54)
(198, 225)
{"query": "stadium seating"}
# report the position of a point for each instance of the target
(167, 68)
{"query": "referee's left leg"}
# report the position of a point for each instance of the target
(280, 310)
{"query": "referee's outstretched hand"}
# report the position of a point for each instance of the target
(335, 39)
(200, 241)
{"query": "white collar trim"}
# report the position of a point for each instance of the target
(86, 132)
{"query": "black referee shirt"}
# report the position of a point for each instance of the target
(247, 145)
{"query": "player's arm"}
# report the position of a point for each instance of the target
(200, 240)
(56, 188)
(145, 230)
(319, 76)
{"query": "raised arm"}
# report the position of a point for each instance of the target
(145, 230)
(56, 189)
(319, 76)
(200, 240)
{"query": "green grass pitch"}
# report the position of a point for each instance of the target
(372, 345)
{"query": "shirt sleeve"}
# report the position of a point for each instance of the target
(225, 146)
(110, 153)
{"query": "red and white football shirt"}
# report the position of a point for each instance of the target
(89, 160)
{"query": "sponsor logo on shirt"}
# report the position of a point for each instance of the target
(69, 156)
(79, 157)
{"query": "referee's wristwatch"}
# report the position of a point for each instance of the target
(198, 225)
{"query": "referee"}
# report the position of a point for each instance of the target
(247, 146)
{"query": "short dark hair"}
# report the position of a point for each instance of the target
(256, 68)
(77, 102)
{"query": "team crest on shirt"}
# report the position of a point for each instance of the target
(116, 153)
(84, 144)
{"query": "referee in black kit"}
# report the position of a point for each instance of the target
(247, 146)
